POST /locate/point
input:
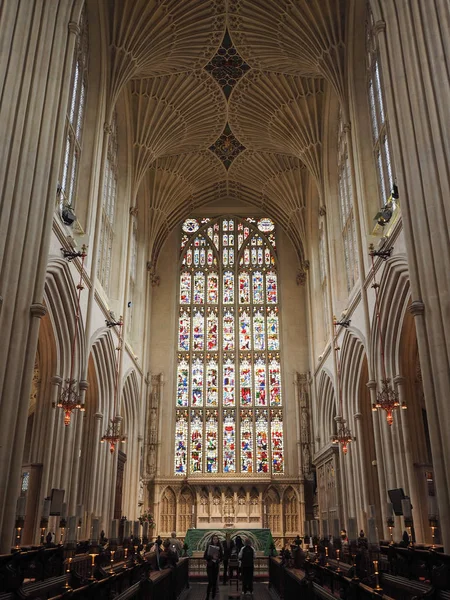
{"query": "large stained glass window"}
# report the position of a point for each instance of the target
(229, 401)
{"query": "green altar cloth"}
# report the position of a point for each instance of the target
(198, 539)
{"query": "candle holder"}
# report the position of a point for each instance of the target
(62, 526)
(338, 570)
(18, 527)
(327, 564)
(409, 525)
(377, 588)
(67, 587)
(43, 527)
(111, 569)
(355, 576)
(390, 524)
(92, 578)
(126, 553)
(316, 560)
(432, 522)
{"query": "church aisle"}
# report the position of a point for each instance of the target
(198, 592)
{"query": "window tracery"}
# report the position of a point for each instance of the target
(378, 117)
(108, 209)
(229, 415)
(75, 116)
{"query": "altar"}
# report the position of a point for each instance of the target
(197, 540)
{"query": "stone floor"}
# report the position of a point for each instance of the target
(198, 592)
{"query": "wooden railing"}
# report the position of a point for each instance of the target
(326, 582)
(126, 579)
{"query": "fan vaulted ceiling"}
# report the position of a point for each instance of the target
(227, 102)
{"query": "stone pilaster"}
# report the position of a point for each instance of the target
(31, 70)
(414, 53)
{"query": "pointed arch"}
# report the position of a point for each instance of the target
(327, 408)
(168, 511)
(290, 511)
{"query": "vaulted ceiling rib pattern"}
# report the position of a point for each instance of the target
(294, 48)
(279, 181)
(172, 183)
(298, 37)
(174, 114)
(277, 113)
(159, 37)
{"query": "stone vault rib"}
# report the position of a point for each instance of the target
(160, 37)
(174, 114)
(275, 113)
(297, 37)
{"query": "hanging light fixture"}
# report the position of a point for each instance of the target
(113, 433)
(387, 397)
(69, 398)
(343, 435)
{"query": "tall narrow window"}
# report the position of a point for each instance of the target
(108, 210)
(348, 229)
(378, 118)
(229, 408)
(75, 117)
(323, 282)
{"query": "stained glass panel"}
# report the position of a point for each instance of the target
(259, 337)
(197, 383)
(229, 442)
(273, 342)
(265, 225)
(246, 442)
(271, 288)
(184, 331)
(276, 426)
(199, 288)
(258, 294)
(245, 383)
(228, 382)
(262, 448)
(183, 383)
(212, 325)
(190, 226)
(274, 383)
(228, 332)
(198, 333)
(260, 382)
(212, 380)
(196, 442)
(228, 287)
(181, 435)
(213, 287)
(211, 449)
(245, 339)
(185, 288)
(244, 288)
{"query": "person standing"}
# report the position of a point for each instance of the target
(176, 544)
(228, 548)
(213, 556)
(247, 561)
(167, 558)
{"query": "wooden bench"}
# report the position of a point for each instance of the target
(405, 589)
(42, 589)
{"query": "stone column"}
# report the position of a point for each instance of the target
(411, 488)
(372, 385)
(34, 42)
(414, 53)
(357, 417)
